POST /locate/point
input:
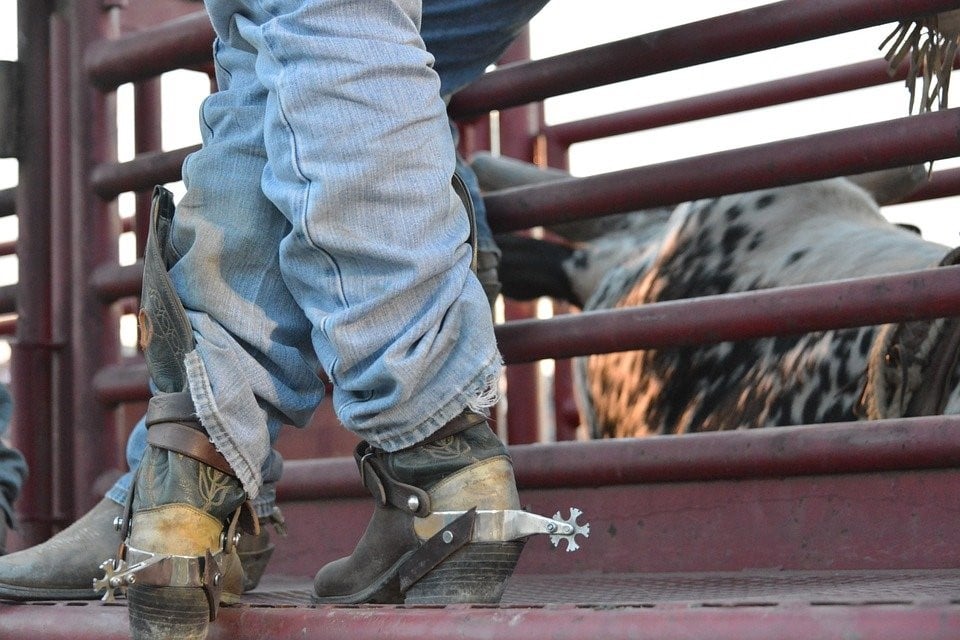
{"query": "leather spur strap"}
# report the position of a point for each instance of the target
(438, 548)
(386, 489)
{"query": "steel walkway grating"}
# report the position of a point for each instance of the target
(704, 589)
(877, 605)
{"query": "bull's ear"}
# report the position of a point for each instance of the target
(889, 186)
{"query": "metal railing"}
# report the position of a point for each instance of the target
(67, 339)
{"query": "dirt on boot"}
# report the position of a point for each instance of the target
(64, 567)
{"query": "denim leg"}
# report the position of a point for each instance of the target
(463, 47)
(360, 160)
(13, 468)
(467, 36)
(372, 237)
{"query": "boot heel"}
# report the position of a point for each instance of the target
(161, 613)
(475, 574)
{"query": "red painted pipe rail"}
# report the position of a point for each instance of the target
(113, 281)
(8, 299)
(914, 295)
(8, 201)
(141, 173)
(184, 42)
(119, 383)
(898, 142)
(942, 184)
(748, 31)
(893, 143)
(755, 96)
(108, 180)
(856, 302)
(844, 447)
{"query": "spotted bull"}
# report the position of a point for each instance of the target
(783, 236)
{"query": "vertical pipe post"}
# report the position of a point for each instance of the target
(31, 352)
(557, 155)
(148, 136)
(62, 250)
(94, 229)
(518, 130)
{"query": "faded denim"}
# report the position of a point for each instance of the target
(300, 237)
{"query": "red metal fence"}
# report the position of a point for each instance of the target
(69, 376)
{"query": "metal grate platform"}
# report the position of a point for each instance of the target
(921, 604)
(813, 588)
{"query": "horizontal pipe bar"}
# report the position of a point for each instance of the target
(119, 383)
(931, 442)
(881, 145)
(108, 180)
(8, 299)
(145, 170)
(734, 34)
(8, 326)
(113, 281)
(942, 184)
(893, 144)
(183, 42)
(755, 96)
(913, 295)
(8, 202)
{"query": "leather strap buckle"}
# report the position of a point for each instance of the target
(385, 488)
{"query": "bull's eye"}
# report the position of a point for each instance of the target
(892, 359)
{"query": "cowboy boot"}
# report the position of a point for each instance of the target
(63, 567)
(447, 527)
(183, 527)
(403, 556)
(255, 551)
(183, 515)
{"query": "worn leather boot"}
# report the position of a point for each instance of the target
(255, 550)
(406, 554)
(63, 567)
(185, 517)
(186, 509)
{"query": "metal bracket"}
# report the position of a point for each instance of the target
(510, 524)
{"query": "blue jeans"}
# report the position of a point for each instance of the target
(319, 229)
(13, 469)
